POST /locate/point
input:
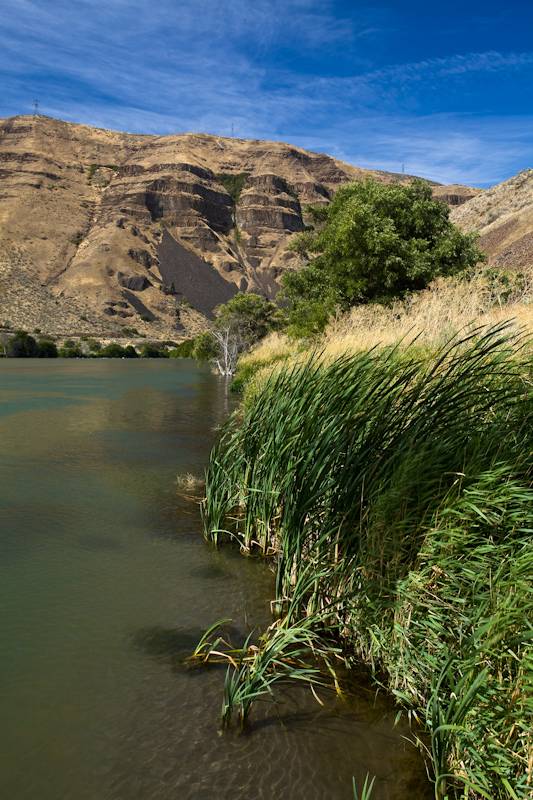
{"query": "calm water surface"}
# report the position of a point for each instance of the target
(105, 582)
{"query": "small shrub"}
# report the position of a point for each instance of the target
(70, 352)
(47, 349)
(112, 350)
(233, 183)
(115, 350)
(153, 350)
(77, 238)
(183, 349)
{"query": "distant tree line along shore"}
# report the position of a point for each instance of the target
(23, 345)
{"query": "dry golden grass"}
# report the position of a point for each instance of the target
(274, 347)
(511, 198)
(433, 316)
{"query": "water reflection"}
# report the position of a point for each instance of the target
(209, 572)
(105, 583)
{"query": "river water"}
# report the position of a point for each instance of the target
(106, 582)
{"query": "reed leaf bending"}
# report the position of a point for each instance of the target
(393, 489)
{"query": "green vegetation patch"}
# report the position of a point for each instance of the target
(233, 183)
(115, 350)
(183, 349)
(374, 242)
(93, 168)
(393, 489)
(154, 350)
(23, 345)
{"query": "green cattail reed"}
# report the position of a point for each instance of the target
(393, 489)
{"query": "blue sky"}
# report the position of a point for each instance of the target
(447, 91)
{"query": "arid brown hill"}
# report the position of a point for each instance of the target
(503, 216)
(103, 231)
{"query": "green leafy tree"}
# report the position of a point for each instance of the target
(153, 350)
(375, 242)
(70, 350)
(204, 347)
(184, 349)
(47, 349)
(238, 325)
(22, 345)
(311, 299)
(115, 350)
(251, 315)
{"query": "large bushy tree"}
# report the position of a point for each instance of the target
(374, 242)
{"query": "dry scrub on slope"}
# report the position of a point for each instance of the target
(433, 316)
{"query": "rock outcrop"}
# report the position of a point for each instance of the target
(106, 230)
(454, 194)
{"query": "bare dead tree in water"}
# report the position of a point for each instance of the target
(239, 324)
(230, 345)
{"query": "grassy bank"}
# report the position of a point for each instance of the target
(432, 316)
(392, 487)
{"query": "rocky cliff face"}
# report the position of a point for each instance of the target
(454, 194)
(102, 232)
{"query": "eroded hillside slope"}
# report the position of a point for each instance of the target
(102, 230)
(503, 216)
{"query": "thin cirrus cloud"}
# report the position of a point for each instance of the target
(296, 70)
(491, 61)
(447, 148)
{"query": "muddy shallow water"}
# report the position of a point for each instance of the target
(105, 582)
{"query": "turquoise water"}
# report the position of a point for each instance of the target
(106, 582)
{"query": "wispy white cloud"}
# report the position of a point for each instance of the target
(216, 67)
(454, 148)
(461, 64)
